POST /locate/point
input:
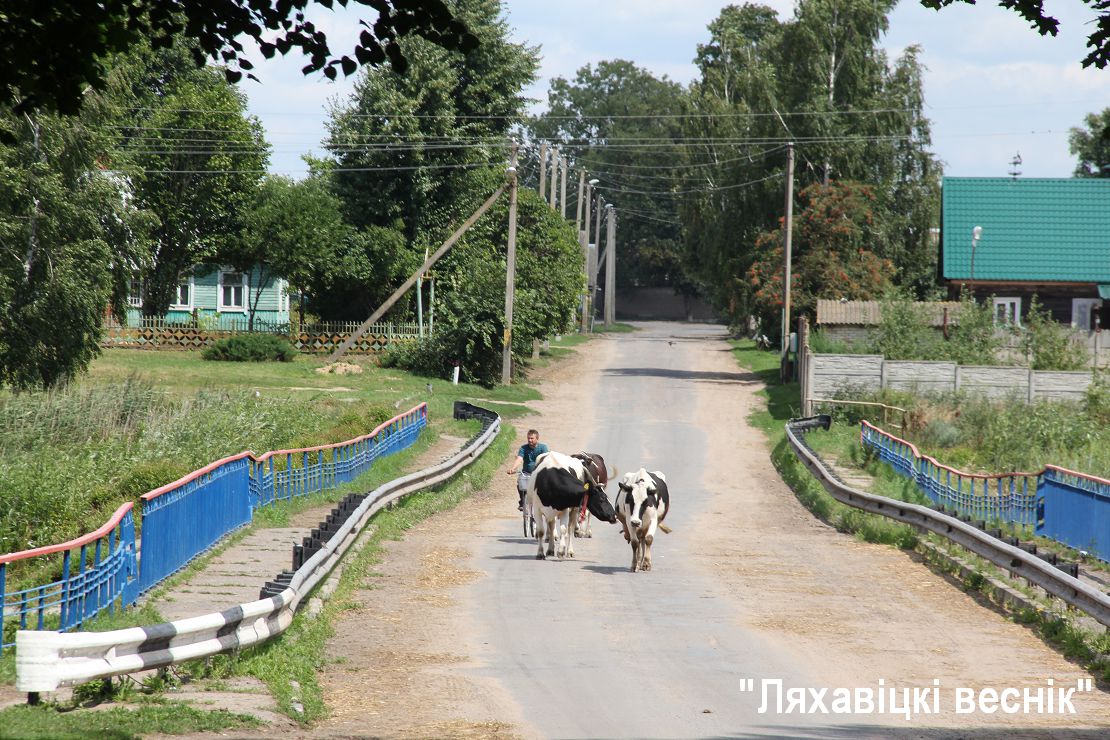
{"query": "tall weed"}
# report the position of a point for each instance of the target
(72, 457)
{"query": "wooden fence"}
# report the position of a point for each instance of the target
(321, 338)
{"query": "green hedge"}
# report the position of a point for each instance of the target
(251, 348)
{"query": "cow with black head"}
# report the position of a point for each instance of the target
(642, 503)
(562, 487)
(595, 463)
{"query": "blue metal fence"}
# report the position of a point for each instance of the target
(286, 474)
(180, 521)
(185, 518)
(1075, 509)
(93, 573)
(1069, 507)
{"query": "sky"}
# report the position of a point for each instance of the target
(993, 86)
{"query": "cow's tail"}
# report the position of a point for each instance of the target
(664, 528)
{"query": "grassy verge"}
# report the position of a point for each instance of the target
(1090, 648)
(169, 718)
(782, 404)
(300, 653)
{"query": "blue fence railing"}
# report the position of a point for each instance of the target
(1075, 509)
(103, 570)
(1069, 507)
(187, 517)
(95, 572)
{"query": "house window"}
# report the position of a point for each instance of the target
(1083, 311)
(1007, 311)
(135, 293)
(183, 296)
(233, 291)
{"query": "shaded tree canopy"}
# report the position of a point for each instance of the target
(1033, 11)
(53, 50)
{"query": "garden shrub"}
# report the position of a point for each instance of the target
(251, 348)
(1047, 343)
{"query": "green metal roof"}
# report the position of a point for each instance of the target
(1034, 229)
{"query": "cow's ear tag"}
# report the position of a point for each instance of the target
(586, 486)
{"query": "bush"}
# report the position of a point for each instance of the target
(1048, 344)
(251, 348)
(904, 331)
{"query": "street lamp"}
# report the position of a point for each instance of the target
(976, 235)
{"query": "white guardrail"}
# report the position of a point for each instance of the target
(47, 661)
(1015, 560)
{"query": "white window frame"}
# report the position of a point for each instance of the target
(220, 306)
(135, 299)
(1013, 309)
(283, 295)
(192, 296)
(1092, 305)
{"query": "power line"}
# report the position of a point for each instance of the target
(699, 191)
(474, 165)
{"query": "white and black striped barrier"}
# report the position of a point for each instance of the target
(46, 661)
(1032, 568)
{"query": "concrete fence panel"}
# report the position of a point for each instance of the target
(1060, 385)
(834, 372)
(920, 376)
(993, 382)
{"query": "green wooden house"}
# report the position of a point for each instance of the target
(220, 297)
(1008, 239)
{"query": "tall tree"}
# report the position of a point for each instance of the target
(1091, 145)
(70, 240)
(622, 124)
(409, 149)
(195, 159)
(837, 242)
(820, 80)
(54, 50)
(294, 230)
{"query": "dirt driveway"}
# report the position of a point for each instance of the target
(461, 632)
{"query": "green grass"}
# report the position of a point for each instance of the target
(616, 328)
(162, 392)
(161, 415)
(782, 404)
(170, 718)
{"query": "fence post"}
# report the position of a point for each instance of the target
(1032, 389)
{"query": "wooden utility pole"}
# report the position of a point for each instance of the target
(510, 276)
(787, 227)
(554, 176)
(543, 171)
(611, 267)
(349, 342)
(597, 233)
(581, 193)
(563, 193)
(584, 239)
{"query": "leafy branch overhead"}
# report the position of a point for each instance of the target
(54, 50)
(1033, 11)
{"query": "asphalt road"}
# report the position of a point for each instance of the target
(592, 650)
(749, 585)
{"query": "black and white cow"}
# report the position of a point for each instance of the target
(642, 503)
(562, 487)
